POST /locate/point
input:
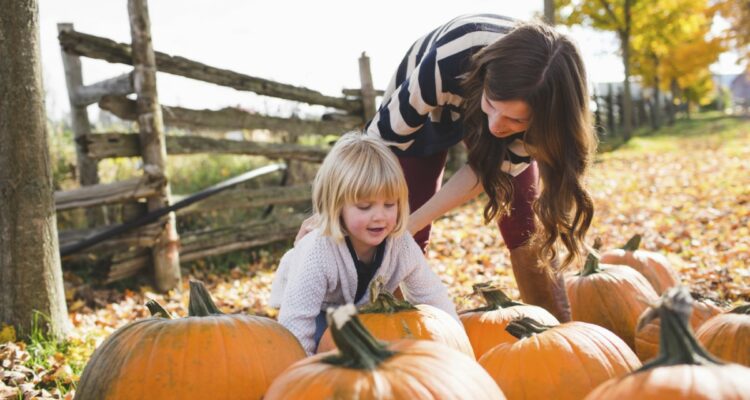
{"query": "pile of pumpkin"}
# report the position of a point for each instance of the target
(506, 349)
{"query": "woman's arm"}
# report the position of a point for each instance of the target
(460, 188)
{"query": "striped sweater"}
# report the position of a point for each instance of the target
(420, 111)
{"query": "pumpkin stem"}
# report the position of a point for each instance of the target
(382, 302)
(201, 304)
(525, 327)
(598, 243)
(741, 310)
(358, 349)
(591, 266)
(494, 297)
(157, 310)
(633, 243)
(677, 344)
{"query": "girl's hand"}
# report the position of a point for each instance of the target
(307, 225)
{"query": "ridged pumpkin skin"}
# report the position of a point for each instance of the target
(425, 322)
(683, 369)
(366, 369)
(485, 326)
(564, 362)
(687, 382)
(653, 266)
(612, 296)
(206, 357)
(727, 336)
(647, 338)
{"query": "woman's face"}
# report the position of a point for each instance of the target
(506, 117)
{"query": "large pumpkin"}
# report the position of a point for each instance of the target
(485, 326)
(365, 368)
(557, 362)
(647, 338)
(389, 319)
(683, 369)
(611, 296)
(652, 265)
(727, 335)
(208, 355)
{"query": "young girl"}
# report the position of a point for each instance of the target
(361, 197)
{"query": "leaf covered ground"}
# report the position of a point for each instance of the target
(687, 191)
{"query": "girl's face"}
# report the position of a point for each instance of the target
(506, 117)
(369, 222)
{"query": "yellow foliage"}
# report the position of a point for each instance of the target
(7, 334)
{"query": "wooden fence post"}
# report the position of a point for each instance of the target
(165, 253)
(88, 173)
(367, 88)
(611, 110)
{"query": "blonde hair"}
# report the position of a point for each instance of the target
(358, 167)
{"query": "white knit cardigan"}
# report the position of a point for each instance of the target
(319, 273)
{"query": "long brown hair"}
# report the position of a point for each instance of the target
(536, 64)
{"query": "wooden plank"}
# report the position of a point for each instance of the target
(368, 91)
(118, 86)
(87, 168)
(196, 245)
(108, 193)
(228, 119)
(250, 198)
(82, 44)
(358, 92)
(144, 236)
(110, 145)
(165, 255)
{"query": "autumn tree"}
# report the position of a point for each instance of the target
(671, 50)
(30, 271)
(737, 12)
(618, 16)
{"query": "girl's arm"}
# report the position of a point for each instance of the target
(303, 297)
(460, 188)
(421, 284)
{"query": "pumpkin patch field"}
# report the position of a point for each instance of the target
(672, 208)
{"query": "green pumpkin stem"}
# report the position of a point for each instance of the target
(745, 309)
(494, 297)
(677, 344)
(592, 265)
(201, 304)
(633, 243)
(358, 349)
(525, 327)
(382, 302)
(157, 310)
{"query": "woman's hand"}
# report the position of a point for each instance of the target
(307, 225)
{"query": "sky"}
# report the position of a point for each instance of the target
(315, 44)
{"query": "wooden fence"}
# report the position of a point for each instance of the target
(158, 244)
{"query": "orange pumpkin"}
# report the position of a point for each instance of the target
(557, 362)
(206, 355)
(727, 335)
(364, 368)
(389, 319)
(683, 369)
(611, 296)
(653, 266)
(647, 338)
(485, 326)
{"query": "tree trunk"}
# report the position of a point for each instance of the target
(656, 109)
(672, 106)
(30, 273)
(549, 12)
(627, 97)
(165, 254)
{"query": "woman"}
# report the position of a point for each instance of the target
(516, 95)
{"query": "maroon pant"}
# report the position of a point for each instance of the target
(424, 177)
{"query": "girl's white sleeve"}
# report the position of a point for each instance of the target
(305, 291)
(421, 285)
